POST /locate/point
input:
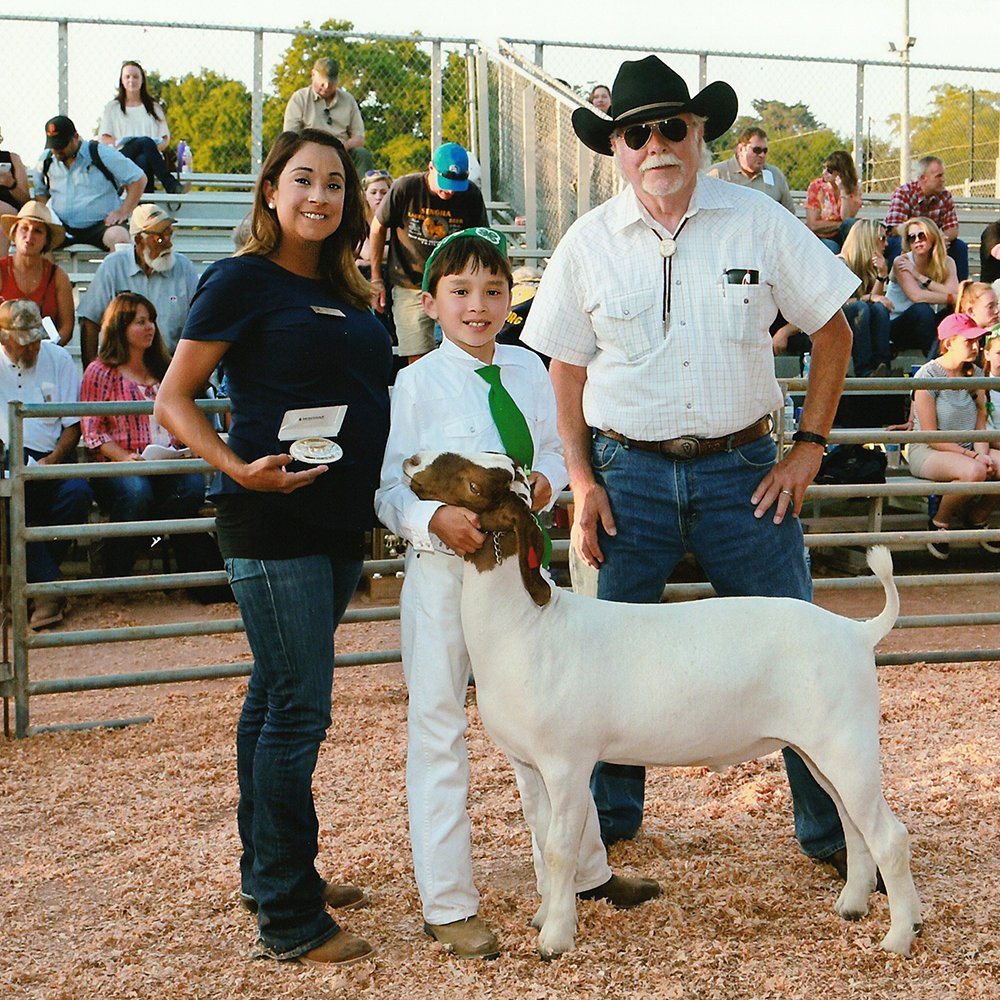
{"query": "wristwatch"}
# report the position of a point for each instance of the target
(925, 284)
(807, 437)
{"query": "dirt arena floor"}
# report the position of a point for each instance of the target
(118, 848)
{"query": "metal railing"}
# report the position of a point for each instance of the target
(18, 640)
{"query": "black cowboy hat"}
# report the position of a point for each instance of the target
(648, 89)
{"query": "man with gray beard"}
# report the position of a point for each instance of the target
(655, 310)
(168, 279)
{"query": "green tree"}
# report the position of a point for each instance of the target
(798, 142)
(211, 113)
(390, 81)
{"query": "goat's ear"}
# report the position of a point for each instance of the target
(530, 549)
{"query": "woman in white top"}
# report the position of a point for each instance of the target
(922, 284)
(137, 125)
(955, 409)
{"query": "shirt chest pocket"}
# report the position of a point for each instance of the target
(628, 323)
(469, 428)
(747, 312)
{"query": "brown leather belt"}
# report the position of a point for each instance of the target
(683, 449)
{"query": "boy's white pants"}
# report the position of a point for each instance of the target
(436, 666)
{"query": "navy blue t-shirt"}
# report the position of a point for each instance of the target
(294, 344)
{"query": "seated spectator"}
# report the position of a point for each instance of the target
(833, 200)
(35, 370)
(991, 369)
(375, 184)
(868, 310)
(137, 125)
(600, 97)
(922, 286)
(130, 364)
(13, 187)
(153, 269)
(978, 301)
(326, 106)
(989, 253)
(85, 199)
(954, 410)
(28, 274)
(749, 168)
(927, 198)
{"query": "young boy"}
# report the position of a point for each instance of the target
(442, 402)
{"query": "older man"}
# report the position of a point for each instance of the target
(82, 180)
(655, 310)
(928, 197)
(749, 168)
(154, 269)
(326, 106)
(35, 370)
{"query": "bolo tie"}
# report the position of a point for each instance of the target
(668, 247)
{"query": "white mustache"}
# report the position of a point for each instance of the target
(660, 160)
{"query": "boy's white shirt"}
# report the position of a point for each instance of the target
(439, 403)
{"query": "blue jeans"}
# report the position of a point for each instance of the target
(869, 323)
(664, 509)
(916, 327)
(142, 151)
(142, 498)
(291, 608)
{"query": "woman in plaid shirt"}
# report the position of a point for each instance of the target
(131, 361)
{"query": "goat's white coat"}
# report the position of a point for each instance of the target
(708, 683)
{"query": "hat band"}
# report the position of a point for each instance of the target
(652, 107)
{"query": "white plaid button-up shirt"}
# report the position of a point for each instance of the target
(709, 370)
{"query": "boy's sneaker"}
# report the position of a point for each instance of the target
(940, 550)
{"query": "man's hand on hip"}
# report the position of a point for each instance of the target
(784, 487)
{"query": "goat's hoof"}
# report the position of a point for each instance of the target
(851, 906)
(551, 946)
(898, 941)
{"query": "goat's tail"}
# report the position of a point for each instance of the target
(880, 562)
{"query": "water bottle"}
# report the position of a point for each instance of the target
(181, 153)
(789, 417)
(805, 365)
(892, 455)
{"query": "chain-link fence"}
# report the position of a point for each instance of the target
(224, 89)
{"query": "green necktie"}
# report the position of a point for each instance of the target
(509, 419)
(514, 434)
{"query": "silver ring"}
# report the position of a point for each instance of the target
(787, 492)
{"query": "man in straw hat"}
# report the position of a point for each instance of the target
(655, 309)
(35, 370)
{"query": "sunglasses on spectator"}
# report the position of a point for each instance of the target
(160, 238)
(376, 173)
(328, 116)
(917, 237)
(672, 130)
(759, 150)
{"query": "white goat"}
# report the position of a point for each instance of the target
(563, 681)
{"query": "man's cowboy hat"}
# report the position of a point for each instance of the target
(648, 90)
(37, 212)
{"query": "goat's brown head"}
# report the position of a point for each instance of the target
(495, 488)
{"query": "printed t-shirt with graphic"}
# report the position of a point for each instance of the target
(418, 220)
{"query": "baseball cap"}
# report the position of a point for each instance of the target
(148, 219)
(451, 162)
(58, 132)
(959, 325)
(327, 68)
(21, 320)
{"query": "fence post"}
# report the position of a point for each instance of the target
(539, 55)
(530, 173)
(483, 113)
(584, 167)
(435, 95)
(64, 68)
(702, 70)
(257, 105)
(470, 102)
(859, 121)
(18, 572)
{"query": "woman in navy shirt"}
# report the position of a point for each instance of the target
(289, 317)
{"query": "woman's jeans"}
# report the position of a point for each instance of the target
(290, 608)
(142, 151)
(915, 327)
(664, 509)
(869, 323)
(144, 498)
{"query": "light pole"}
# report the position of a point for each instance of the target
(904, 118)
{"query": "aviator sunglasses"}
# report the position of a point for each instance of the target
(671, 130)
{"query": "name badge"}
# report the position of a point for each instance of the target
(768, 177)
(328, 311)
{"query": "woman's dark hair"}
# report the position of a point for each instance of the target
(467, 251)
(340, 249)
(147, 102)
(118, 317)
(840, 162)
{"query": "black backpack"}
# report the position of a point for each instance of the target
(95, 157)
(852, 463)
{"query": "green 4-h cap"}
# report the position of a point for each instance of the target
(476, 232)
